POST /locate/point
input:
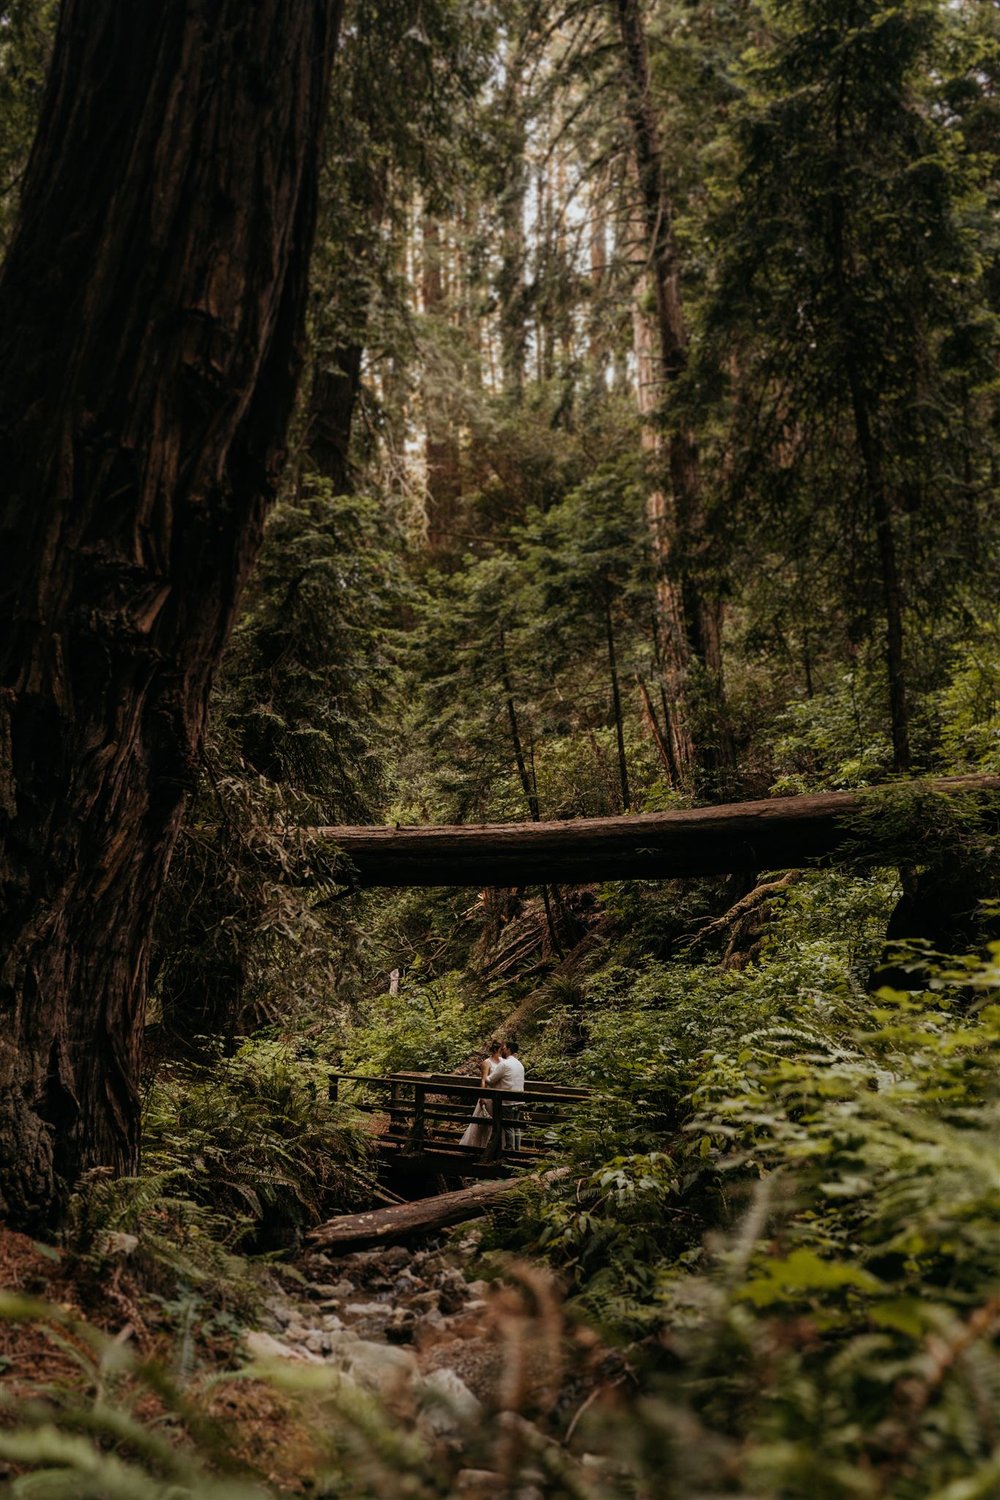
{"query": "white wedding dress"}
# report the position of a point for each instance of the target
(478, 1133)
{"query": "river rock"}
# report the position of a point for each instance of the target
(334, 1291)
(281, 1311)
(426, 1301)
(478, 1484)
(430, 1327)
(446, 1403)
(401, 1326)
(261, 1345)
(381, 1368)
(452, 1287)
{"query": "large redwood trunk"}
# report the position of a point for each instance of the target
(150, 323)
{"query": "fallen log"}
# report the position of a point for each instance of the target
(383, 1225)
(773, 834)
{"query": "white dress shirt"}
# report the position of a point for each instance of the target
(508, 1073)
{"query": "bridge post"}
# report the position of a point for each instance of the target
(394, 1102)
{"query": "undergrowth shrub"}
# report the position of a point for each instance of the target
(431, 1024)
(239, 1156)
(786, 1198)
(256, 1136)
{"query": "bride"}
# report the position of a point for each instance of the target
(478, 1133)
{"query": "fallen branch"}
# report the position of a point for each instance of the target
(743, 908)
(382, 1226)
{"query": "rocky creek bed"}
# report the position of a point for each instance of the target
(490, 1372)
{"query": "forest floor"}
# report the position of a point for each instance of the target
(414, 1356)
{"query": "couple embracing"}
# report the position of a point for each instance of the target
(500, 1069)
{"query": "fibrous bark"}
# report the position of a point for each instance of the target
(150, 326)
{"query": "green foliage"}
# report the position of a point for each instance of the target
(25, 44)
(797, 1191)
(849, 277)
(308, 672)
(182, 1251)
(432, 1024)
(914, 824)
(240, 1153)
(781, 1196)
(297, 740)
(255, 1137)
(969, 709)
(96, 1444)
(520, 636)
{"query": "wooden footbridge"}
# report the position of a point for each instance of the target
(420, 1119)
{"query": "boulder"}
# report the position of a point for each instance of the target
(446, 1403)
(381, 1368)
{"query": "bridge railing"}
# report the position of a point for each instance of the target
(426, 1114)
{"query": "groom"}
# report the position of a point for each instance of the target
(508, 1074)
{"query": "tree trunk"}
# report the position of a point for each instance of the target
(670, 637)
(332, 399)
(691, 617)
(443, 458)
(778, 833)
(863, 407)
(384, 1226)
(616, 706)
(151, 314)
(659, 738)
(511, 307)
(597, 339)
(527, 782)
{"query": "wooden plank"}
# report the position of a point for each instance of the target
(537, 1090)
(417, 1132)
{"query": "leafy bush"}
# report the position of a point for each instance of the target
(256, 1137)
(430, 1024)
(238, 1156)
(801, 1208)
